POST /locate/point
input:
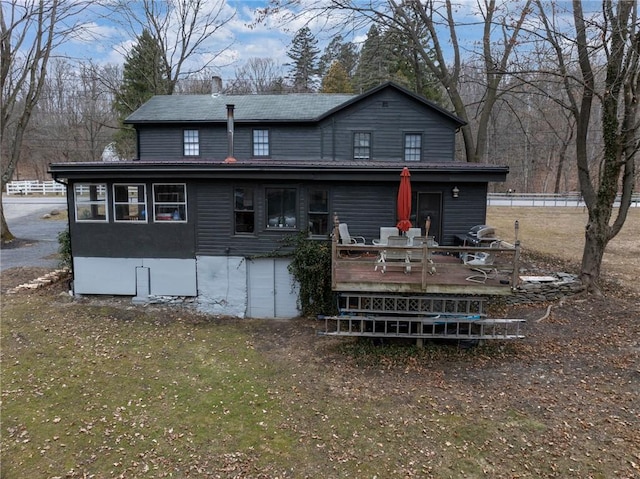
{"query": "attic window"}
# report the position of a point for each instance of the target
(191, 143)
(260, 143)
(361, 145)
(412, 146)
(385, 104)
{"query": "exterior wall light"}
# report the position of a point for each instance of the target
(455, 192)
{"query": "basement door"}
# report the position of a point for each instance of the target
(430, 205)
(269, 289)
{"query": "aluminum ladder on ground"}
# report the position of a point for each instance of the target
(420, 317)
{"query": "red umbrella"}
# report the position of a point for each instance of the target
(404, 201)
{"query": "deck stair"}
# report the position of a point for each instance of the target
(420, 317)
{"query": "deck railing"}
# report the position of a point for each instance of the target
(424, 266)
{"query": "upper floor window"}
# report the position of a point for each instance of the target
(281, 207)
(412, 147)
(260, 142)
(130, 203)
(361, 145)
(244, 210)
(170, 202)
(90, 201)
(191, 143)
(318, 212)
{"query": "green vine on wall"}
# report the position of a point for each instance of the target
(64, 249)
(311, 267)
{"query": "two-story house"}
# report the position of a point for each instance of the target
(220, 180)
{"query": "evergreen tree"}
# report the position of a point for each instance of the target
(337, 50)
(336, 80)
(144, 76)
(407, 67)
(374, 63)
(304, 54)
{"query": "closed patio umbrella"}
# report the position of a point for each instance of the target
(404, 201)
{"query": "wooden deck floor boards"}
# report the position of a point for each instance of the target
(355, 270)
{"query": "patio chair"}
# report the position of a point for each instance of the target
(385, 232)
(482, 258)
(346, 238)
(412, 233)
(395, 255)
(419, 241)
(482, 263)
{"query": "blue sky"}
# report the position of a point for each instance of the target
(240, 39)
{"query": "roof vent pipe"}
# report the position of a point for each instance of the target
(230, 158)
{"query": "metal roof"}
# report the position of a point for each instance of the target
(290, 107)
(208, 108)
(317, 170)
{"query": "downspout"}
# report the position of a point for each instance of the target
(230, 130)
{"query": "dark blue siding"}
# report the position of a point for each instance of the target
(388, 116)
(135, 240)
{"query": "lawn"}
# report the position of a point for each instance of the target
(98, 387)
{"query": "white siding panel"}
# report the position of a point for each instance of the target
(286, 293)
(105, 275)
(260, 278)
(171, 277)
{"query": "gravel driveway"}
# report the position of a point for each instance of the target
(37, 243)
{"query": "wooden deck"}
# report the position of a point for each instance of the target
(436, 270)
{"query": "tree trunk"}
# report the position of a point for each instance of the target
(6, 235)
(595, 242)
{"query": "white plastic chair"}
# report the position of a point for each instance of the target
(412, 233)
(385, 232)
(346, 238)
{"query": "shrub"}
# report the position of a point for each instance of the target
(64, 248)
(311, 268)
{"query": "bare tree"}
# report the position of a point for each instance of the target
(258, 75)
(183, 30)
(30, 30)
(606, 42)
(501, 23)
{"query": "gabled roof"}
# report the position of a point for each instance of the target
(291, 107)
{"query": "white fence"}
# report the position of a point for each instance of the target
(546, 199)
(33, 187)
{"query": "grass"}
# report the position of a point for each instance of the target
(558, 232)
(121, 391)
(106, 389)
(96, 390)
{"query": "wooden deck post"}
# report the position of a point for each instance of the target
(516, 266)
(334, 249)
(425, 256)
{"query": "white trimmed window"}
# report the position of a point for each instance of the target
(362, 145)
(130, 203)
(191, 143)
(412, 147)
(90, 202)
(170, 202)
(260, 143)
